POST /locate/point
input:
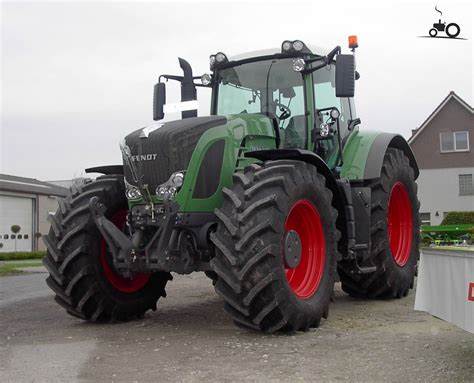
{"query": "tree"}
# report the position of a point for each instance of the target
(15, 230)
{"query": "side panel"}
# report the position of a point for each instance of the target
(241, 133)
(364, 151)
(355, 154)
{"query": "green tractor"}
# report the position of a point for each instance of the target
(275, 196)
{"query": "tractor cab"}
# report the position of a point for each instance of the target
(294, 86)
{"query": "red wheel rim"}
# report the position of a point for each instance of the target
(120, 283)
(400, 224)
(305, 278)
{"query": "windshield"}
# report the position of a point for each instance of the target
(270, 87)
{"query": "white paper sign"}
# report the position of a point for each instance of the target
(445, 286)
(181, 106)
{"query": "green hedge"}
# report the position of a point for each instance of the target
(459, 218)
(18, 255)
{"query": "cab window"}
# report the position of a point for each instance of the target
(325, 95)
(270, 87)
(293, 128)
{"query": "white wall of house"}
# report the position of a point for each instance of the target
(438, 192)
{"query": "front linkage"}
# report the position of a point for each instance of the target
(172, 247)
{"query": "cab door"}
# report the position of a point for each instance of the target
(324, 90)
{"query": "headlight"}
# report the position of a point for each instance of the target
(212, 61)
(324, 130)
(206, 79)
(286, 46)
(172, 186)
(161, 191)
(334, 114)
(294, 46)
(177, 179)
(132, 192)
(298, 65)
(298, 45)
(220, 57)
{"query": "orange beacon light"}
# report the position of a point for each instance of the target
(353, 42)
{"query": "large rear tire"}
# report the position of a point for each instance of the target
(81, 271)
(450, 32)
(395, 234)
(270, 208)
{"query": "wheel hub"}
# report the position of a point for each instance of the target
(400, 224)
(304, 252)
(292, 250)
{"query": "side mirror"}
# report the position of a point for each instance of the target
(159, 100)
(345, 76)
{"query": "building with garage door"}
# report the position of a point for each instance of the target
(444, 149)
(26, 202)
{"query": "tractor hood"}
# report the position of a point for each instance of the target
(153, 153)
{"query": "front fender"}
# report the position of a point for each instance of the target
(364, 152)
(299, 155)
(106, 169)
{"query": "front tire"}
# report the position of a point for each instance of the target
(266, 206)
(81, 272)
(395, 234)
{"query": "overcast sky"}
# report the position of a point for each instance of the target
(76, 77)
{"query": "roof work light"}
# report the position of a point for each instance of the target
(294, 46)
(218, 58)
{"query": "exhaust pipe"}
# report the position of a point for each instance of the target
(188, 89)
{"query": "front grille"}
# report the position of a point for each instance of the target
(173, 143)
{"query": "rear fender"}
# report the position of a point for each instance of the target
(364, 152)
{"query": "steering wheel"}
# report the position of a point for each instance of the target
(286, 112)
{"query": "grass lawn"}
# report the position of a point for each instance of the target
(26, 255)
(13, 268)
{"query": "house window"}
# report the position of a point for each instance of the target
(20, 236)
(5, 236)
(425, 218)
(13, 236)
(25, 236)
(465, 184)
(454, 142)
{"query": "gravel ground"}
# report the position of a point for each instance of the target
(191, 339)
